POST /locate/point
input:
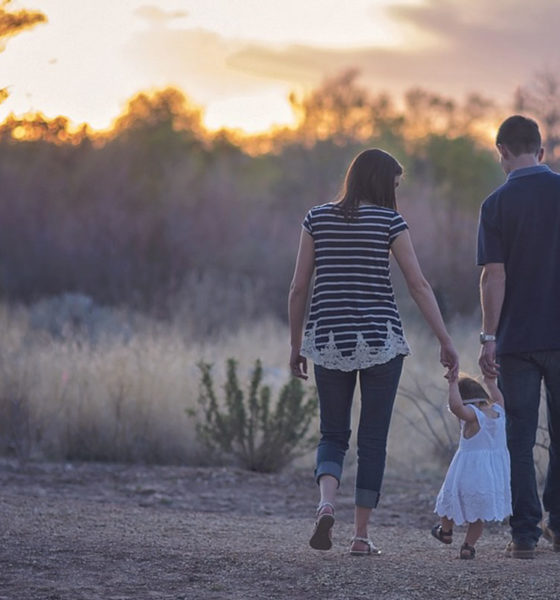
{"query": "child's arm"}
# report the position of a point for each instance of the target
(492, 387)
(456, 405)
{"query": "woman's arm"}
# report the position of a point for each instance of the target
(422, 294)
(495, 393)
(456, 406)
(297, 302)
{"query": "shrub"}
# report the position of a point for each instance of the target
(434, 423)
(246, 428)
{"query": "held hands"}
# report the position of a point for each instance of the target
(451, 378)
(298, 364)
(487, 360)
(490, 382)
(450, 360)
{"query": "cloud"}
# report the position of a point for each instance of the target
(476, 46)
(512, 25)
(158, 17)
(489, 48)
(196, 59)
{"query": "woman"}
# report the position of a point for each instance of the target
(354, 328)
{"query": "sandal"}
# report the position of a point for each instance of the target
(445, 537)
(467, 552)
(321, 537)
(371, 548)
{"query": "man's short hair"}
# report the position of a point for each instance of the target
(520, 135)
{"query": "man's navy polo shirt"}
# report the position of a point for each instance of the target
(519, 226)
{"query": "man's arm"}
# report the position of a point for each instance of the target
(492, 292)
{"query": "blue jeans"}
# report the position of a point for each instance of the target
(520, 381)
(378, 387)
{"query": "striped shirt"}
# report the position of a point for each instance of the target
(353, 321)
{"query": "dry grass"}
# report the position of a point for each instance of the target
(121, 391)
(115, 397)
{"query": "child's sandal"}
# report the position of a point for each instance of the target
(445, 537)
(467, 552)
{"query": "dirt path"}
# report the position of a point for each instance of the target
(112, 532)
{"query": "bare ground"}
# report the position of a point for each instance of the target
(115, 532)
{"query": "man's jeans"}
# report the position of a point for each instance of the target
(520, 381)
(378, 387)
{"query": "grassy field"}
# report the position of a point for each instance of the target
(81, 383)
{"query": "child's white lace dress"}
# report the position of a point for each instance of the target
(477, 484)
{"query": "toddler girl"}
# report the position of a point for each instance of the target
(477, 484)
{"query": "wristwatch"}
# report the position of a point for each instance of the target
(486, 337)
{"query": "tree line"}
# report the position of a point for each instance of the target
(158, 209)
(135, 215)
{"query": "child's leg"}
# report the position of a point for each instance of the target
(446, 524)
(444, 531)
(474, 531)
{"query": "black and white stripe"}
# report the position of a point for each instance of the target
(353, 293)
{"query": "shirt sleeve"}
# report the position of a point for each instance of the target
(307, 223)
(398, 225)
(489, 246)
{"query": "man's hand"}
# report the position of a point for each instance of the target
(487, 360)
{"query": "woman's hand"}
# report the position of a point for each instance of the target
(298, 364)
(449, 358)
(299, 291)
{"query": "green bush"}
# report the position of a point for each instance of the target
(246, 428)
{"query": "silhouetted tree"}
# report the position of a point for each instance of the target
(35, 127)
(14, 22)
(168, 107)
(158, 207)
(541, 99)
(341, 110)
(430, 113)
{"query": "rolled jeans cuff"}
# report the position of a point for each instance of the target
(328, 468)
(367, 498)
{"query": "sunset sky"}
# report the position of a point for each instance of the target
(239, 59)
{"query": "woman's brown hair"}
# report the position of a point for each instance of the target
(371, 179)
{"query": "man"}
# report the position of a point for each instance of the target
(519, 249)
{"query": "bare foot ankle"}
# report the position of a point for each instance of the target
(325, 508)
(363, 546)
(359, 546)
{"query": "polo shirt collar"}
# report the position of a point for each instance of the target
(528, 171)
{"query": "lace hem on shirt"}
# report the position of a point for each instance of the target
(363, 355)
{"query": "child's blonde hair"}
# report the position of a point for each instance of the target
(471, 391)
